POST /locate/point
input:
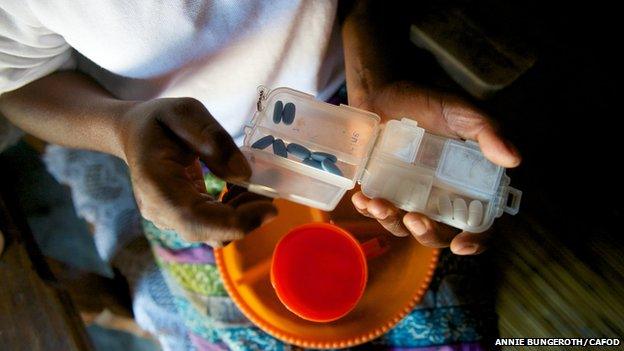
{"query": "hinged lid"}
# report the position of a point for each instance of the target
(290, 136)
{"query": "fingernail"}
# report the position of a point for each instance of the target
(200, 185)
(512, 150)
(417, 226)
(361, 208)
(238, 167)
(467, 249)
(379, 213)
(358, 204)
(252, 221)
(267, 219)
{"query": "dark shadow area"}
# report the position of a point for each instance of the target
(560, 259)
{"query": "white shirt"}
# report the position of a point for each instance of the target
(217, 51)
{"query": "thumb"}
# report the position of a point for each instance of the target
(191, 122)
(467, 122)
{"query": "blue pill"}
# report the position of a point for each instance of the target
(288, 115)
(277, 112)
(321, 156)
(331, 167)
(263, 142)
(312, 163)
(298, 150)
(279, 148)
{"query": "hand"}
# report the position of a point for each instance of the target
(163, 141)
(444, 115)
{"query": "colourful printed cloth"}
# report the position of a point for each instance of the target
(457, 312)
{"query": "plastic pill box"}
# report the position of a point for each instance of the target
(448, 180)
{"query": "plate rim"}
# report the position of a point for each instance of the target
(306, 343)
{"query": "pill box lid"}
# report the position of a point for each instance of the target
(413, 168)
(340, 130)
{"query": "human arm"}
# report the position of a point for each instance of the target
(161, 140)
(374, 59)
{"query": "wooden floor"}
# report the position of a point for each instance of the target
(561, 259)
(548, 291)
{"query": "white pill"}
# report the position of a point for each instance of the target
(445, 208)
(460, 210)
(475, 213)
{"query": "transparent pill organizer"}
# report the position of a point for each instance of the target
(333, 147)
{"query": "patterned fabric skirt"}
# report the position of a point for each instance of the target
(457, 312)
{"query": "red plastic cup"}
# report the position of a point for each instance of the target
(319, 271)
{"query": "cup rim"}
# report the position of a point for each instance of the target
(335, 229)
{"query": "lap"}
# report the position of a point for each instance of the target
(458, 307)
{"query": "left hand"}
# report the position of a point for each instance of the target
(163, 141)
(444, 115)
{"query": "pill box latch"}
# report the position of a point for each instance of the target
(409, 122)
(263, 92)
(512, 200)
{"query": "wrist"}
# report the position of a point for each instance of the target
(121, 126)
(362, 85)
(367, 64)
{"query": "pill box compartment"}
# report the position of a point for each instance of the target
(473, 223)
(463, 165)
(402, 163)
(344, 132)
(405, 185)
(417, 171)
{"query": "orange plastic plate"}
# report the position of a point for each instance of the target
(397, 282)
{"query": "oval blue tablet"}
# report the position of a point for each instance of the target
(320, 156)
(277, 112)
(331, 167)
(298, 150)
(288, 115)
(279, 148)
(263, 142)
(313, 163)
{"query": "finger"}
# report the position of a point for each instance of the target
(247, 197)
(253, 214)
(171, 200)
(195, 174)
(497, 149)
(427, 232)
(360, 202)
(197, 128)
(232, 192)
(469, 123)
(208, 220)
(216, 244)
(389, 216)
(466, 243)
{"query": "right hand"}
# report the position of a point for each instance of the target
(163, 141)
(444, 115)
